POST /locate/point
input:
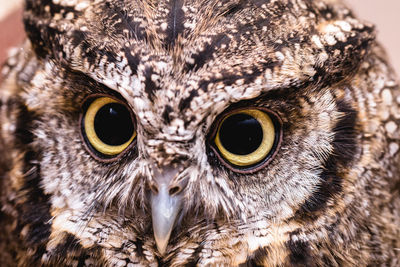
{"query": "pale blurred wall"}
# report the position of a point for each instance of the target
(385, 14)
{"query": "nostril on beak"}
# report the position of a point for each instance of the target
(174, 190)
(154, 188)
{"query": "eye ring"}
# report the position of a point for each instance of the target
(98, 148)
(260, 157)
(262, 151)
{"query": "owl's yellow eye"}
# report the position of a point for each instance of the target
(108, 126)
(246, 137)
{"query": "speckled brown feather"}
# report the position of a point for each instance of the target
(330, 197)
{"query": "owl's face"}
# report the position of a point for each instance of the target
(190, 132)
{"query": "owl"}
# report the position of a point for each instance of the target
(198, 133)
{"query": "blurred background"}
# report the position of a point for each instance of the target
(384, 14)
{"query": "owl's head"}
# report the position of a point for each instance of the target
(180, 132)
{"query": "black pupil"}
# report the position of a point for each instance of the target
(113, 124)
(241, 134)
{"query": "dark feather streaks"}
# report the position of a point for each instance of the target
(175, 20)
(35, 35)
(70, 244)
(38, 7)
(79, 38)
(133, 60)
(185, 102)
(166, 114)
(23, 129)
(35, 211)
(202, 57)
(344, 152)
(256, 259)
(300, 254)
(195, 257)
(150, 86)
(126, 22)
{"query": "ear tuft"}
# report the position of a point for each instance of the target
(343, 44)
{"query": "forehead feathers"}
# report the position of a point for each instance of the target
(190, 59)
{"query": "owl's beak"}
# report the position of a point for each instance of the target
(166, 200)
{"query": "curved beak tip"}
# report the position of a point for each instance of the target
(164, 209)
(162, 245)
